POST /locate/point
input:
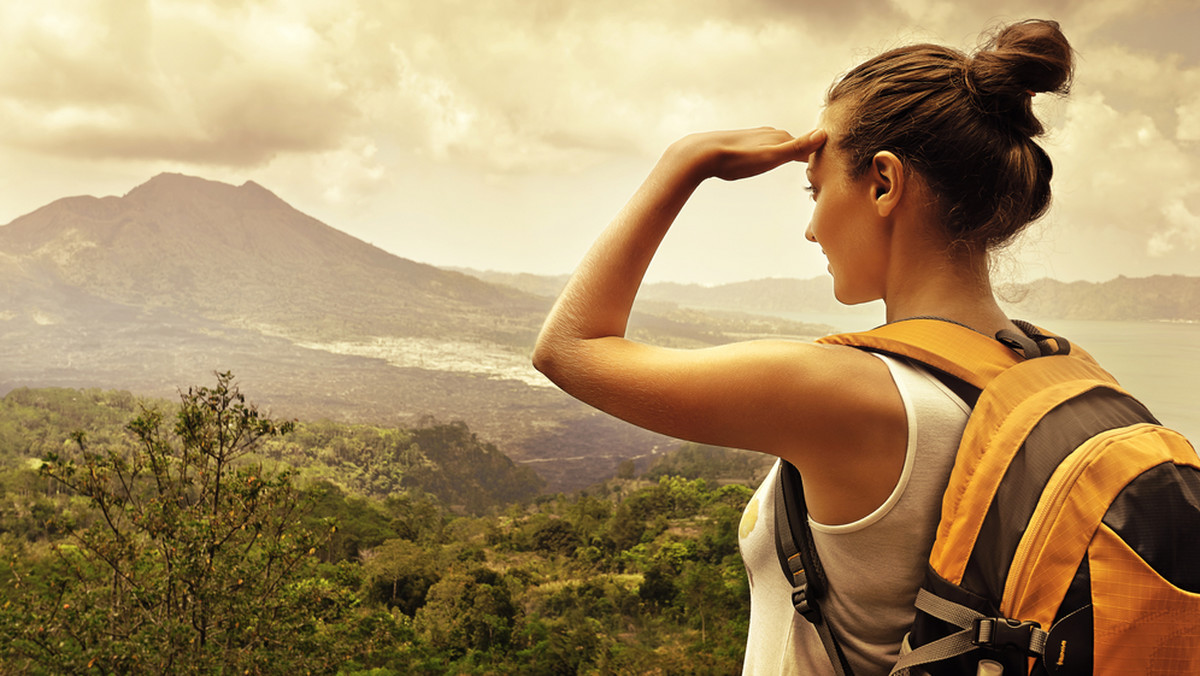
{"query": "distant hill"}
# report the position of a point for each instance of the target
(547, 286)
(771, 297)
(1156, 298)
(762, 295)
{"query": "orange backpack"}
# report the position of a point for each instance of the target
(1069, 540)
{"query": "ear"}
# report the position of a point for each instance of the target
(887, 181)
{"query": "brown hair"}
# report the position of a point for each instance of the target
(965, 123)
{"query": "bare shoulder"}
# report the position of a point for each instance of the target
(852, 451)
(849, 398)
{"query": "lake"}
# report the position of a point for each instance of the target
(1157, 362)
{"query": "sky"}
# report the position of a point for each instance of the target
(504, 134)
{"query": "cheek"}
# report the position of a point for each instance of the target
(829, 227)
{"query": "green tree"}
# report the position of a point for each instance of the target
(399, 574)
(658, 586)
(188, 559)
(625, 528)
(555, 537)
(472, 611)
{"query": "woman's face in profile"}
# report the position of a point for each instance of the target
(844, 221)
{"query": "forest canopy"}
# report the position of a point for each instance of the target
(201, 535)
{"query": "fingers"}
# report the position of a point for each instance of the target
(804, 146)
(733, 155)
(800, 148)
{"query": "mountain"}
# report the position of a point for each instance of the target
(242, 255)
(1155, 298)
(153, 291)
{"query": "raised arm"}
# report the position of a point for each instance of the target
(597, 301)
(788, 398)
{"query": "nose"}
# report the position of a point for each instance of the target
(808, 234)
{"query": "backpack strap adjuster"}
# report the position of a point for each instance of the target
(807, 607)
(1001, 633)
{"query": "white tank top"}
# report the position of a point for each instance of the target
(874, 565)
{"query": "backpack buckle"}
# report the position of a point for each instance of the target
(1002, 633)
(807, 607)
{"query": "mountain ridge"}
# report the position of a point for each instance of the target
(226, 251)
(1152, 298)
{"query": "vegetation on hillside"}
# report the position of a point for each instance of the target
(203, 537)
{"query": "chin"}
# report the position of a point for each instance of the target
(848, 297)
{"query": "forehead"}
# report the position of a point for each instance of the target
(828, 116)
(830, 152)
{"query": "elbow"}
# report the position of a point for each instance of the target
(557, 357)
(545, 357)
(541, 358)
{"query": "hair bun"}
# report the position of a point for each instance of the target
(1020, 60)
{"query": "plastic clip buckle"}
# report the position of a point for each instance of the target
(807, 607)
(1002, 633)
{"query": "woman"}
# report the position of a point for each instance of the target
(923, 162)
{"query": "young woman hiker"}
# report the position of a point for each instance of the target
(923, 162)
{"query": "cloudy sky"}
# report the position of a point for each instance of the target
(503, 134)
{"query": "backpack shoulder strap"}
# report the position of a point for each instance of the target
(801, 565)
(948, 348)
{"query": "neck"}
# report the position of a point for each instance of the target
(926, 281)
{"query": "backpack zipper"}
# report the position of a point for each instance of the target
(1044, 518)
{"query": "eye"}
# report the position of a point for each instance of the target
(812, 192)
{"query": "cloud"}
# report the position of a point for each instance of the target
(518, 86)
(182, 81)
(508, 86)
(1118, 169)
(1125, 150)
